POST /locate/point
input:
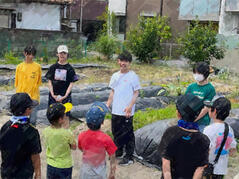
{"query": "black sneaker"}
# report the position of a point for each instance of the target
(126, 161)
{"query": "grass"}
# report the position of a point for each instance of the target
(142, 118)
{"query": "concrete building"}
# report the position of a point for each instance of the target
(35, 14)
(225, 14)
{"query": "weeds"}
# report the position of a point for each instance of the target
(142, 118)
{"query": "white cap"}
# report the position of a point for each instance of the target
(62, 48)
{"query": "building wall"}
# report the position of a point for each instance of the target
(117, 6)
(204, 10)
(4, 21)
(150, 7)
(39, 16)
(171, 10)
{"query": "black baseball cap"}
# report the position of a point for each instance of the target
(189, 106)
(20, 102)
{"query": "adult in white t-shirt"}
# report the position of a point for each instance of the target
(219, 111)
(125, 90)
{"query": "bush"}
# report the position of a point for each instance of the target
(144, 39)
(75, 49)
(106, 45)
(200, 44)
(10, 58)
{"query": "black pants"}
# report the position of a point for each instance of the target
(122, 129)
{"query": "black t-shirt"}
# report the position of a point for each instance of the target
(17, 144)
(61, 77)
(185, 150)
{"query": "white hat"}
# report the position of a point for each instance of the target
(62, 48)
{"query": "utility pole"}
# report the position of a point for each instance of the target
(81, 14)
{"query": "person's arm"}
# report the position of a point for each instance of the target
(203, 112)
(67, 92)
(16, 78)
(166, 168)
(128, 109)
(198, 172)
(36, 161)
(51, 89)
(110, 99)
(112, 166)
(39, 77)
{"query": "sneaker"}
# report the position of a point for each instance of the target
(126, 161)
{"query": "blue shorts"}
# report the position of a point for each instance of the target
(59, 173)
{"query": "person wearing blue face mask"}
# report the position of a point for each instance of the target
(202, 89)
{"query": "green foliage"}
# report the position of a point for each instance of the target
(45, 57)
(110, 22)
(142, 118)
(144, 39)
(10, 58)
(235, 105)
(200, 44)
(106, 45)
(177, 89)
(75, 49)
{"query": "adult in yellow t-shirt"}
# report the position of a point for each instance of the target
(28, 79)
(28, 75)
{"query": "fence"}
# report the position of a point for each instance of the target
(46, 42)
(170, 50)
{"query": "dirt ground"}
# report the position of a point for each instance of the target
(134, 171)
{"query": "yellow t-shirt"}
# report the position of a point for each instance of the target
(58, 151)
(28, 79)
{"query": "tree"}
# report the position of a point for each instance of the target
(201, 44)
(144, 39)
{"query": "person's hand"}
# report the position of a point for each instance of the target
(37, 176)
(61, 99)
(54, 96)
(128, 111)
(111, 176)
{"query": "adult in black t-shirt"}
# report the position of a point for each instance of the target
(184, 150)
(20, 142)
(61, 76)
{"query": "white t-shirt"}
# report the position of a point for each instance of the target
(215, 133)
(124, 85)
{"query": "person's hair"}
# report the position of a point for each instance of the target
(53, 119)
(30, 50)
(202, 68)
(93, 127)
(223, 107)
(125, 56)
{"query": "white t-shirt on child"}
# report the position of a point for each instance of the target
(124, 85)
(215, 133)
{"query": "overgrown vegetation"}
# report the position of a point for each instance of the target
(106, 45)
(144, 39)
(201, 44)
(142, 118)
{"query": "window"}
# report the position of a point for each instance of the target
(120, 24)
